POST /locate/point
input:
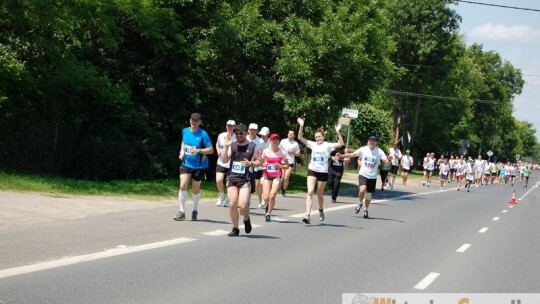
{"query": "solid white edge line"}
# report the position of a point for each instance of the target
(89, 257)
(495, 218)
(427, 281)
(463, 248)
(483, 230)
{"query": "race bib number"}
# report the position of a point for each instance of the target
(319, 159)
(370, 161)
(238, 168)
(187, 150)
(272, 168)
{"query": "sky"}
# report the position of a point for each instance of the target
(515, 35)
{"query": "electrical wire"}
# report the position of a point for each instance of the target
(502, 6)
(439, 97)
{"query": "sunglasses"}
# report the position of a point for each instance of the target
(240, 133)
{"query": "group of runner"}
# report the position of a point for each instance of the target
(248, 163)
(476, 172)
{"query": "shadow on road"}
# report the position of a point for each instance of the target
(256, 236)
(211, 221)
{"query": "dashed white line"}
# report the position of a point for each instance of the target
(427, 281)
(504, 211)
(510, 207)
(89, 257)
(216, 232)
(483, 230)
(495, 218)
(463, 248)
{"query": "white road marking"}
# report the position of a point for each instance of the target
(427, 281)
(510, 207)
(483, 230)
(216, 232)
(504, 211)
(495, 218)
(463, 248)
(89, 257)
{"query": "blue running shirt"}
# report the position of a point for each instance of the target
(199, 140)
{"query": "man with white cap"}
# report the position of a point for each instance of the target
(253, 129)
(291, 147)
(265, 144)
(223, 168)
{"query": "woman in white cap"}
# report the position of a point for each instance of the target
(318, 166)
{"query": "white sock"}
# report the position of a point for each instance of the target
(196, 198)
(222, 196)
(182, 197)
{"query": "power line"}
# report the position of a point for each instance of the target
(503, 6)
(439, 97)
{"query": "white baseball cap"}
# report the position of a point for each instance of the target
(264, 131)
(253, 126)
(231, 122)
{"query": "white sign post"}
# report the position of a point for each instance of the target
(350, 113)
(347, 114)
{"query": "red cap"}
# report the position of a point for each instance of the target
(274, 136)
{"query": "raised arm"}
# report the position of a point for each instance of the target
(301, 131)
(226, 152)
(340, 142)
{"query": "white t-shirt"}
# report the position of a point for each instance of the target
(460, 169)
(319, 156)
(431, 163)
(221, 145)
(406, 162)
(370, 161)
(444, 169)
(260, 145)
(396, 154)
(453, 163)
(479, 165)
(288, 146)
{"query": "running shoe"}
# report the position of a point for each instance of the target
(358, 207)
(267, 218)
(321, 216)
(366, 215)
(306, 220)
(194, 214)
(180, 216)
(247, 225)
(234, 232)
(282, 192)
(261, 205)
(219, 202)
(226, 203)
(423, 183)
(334, 201)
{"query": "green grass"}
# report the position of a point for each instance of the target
(149, 190)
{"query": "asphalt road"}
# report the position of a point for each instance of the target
(410, 244)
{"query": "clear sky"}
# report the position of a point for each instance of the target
(515, 35)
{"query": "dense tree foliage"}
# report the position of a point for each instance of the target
(101, 89)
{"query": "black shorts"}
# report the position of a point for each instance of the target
(394, 170)
(369, 183)
(221, 169)
(321, 177)
(453, 170)
(405, 170)
(238, 183)
(196, 174)
(258, 174)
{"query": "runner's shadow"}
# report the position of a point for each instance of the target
(385, 219)
(211, 221)
(333, 226)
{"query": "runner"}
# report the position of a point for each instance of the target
(223, 168)
(258, 171)
(453, 161)
(318, 167)
(502, 171)
(460, 170)
(478, 169)
(385, 169)
(444, 170)
(430, 168)
(371, 155)
(274, 161)
(335, 173)
(406, 163)
(291, 147)
(195, 146)
(494, 171)
(394, 154)
(513, 173)
(486, 172)
(470, 175)
(526, 174)
(242, 154)
(425, 167)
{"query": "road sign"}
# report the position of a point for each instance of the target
(490, 153)
(351, 113)
(463, 151)
(344, 121)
